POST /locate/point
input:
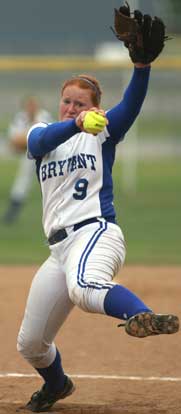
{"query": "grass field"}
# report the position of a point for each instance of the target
(150, 218)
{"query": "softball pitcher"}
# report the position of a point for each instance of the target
(74, 160)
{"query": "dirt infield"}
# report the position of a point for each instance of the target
(113, 373)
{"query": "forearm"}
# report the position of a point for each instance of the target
(122, 116)
(42, 140)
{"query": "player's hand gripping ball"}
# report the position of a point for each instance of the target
(94, 122)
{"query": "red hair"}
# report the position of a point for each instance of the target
(86, 82)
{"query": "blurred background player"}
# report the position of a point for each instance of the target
(17, 133)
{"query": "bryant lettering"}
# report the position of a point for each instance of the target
(58, 168)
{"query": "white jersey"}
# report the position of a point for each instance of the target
(76, 181)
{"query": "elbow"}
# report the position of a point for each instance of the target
(35, 143)
(33, 147)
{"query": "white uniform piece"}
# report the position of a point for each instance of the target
(75, 184)
(75, 181)
(25, 173)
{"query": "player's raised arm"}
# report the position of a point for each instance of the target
(144, 37)
(123, 115)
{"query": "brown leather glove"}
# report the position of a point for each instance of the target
(143, 35)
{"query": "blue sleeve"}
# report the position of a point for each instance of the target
(42, 140)
(122, 116)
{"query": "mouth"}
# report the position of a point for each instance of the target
(67, 117)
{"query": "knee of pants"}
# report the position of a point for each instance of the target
(32, 348)
(87, 298)
(75, 294)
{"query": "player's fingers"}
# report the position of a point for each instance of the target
(138, 16)
(80, 119)
(98, 110)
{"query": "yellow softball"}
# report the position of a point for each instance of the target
(94, 122)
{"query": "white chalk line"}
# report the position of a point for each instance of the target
(95, 377)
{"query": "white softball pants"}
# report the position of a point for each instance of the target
(79, 272)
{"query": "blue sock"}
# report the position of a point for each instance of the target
(121, 303)
(53, 375)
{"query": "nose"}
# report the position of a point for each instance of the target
(71, 108)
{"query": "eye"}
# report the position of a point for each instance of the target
(80, 104)
(66, 101)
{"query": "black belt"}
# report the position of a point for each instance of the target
(61, 234)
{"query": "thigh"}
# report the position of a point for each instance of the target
(48, 302)
(96, 255)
